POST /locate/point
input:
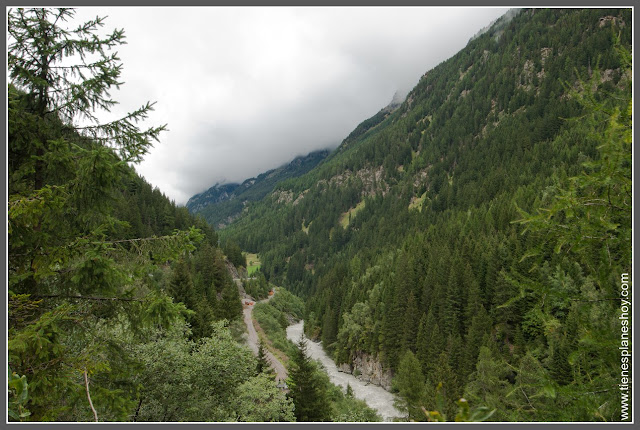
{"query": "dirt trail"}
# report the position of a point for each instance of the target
(253, 340)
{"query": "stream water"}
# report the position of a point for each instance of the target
(375, 396)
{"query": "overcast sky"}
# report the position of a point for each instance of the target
(244, 90)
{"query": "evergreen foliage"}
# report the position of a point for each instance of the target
(484, 261)
(495, 213)
(263, 365)
(92, 247)
(307, 390)
(234, 253)
(411, 386)
(257, 288)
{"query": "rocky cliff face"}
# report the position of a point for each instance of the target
(366, 368)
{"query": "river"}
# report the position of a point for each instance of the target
(375, 396)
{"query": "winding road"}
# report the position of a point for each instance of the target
(253, 340)
(376, 397)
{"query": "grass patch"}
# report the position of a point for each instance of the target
(345, 218)
(271, 317)
(274, 323)
(417, 202)
(253, 263)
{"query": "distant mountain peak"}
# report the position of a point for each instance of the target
(396, 101)
(222, 203)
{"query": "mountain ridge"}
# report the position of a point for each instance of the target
(222, 203)
(406, 242)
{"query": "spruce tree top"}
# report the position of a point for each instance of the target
(68, 73)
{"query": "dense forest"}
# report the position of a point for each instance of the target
(120, 305)
(475, 240)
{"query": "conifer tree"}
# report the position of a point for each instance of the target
(453, 302)
(488, 385)
(411, 386)
(422, 345)
(39, 45)
(411, 324)
(306, 389)
(69, 266)
(330, 326)
(434, 344)
(447, 377)
(392, 322)
(181, 286)
(477, 334)
(230, 306)
(263, 365)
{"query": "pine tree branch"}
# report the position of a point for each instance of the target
(527, 397)
(67, 296)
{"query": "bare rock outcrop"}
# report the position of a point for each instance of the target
(367, 369)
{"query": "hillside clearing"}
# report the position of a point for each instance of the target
(253, 263)
(345, 218)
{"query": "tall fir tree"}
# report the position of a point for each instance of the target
(488, 384)
(410, 384)
(263, 365)
(306, 389)
(69, 266)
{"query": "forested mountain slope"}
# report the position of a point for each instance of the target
(221, 204)
(120, 307)
(101, 273)
(476, 236)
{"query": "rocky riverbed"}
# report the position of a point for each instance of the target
(375, 396)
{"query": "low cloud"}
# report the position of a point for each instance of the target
(244, 90)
